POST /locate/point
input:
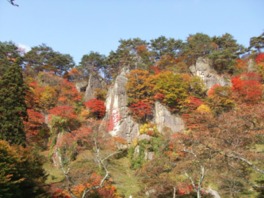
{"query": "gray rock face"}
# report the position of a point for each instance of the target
(81, 86)
(251, 66)
(117, 120)
(209, 76)
(94, 82)
(165, 120)
(56, 155)
(214, 193)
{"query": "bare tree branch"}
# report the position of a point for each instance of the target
(101, 163)
(66, 174)
(197, 187)
(12, 2)
(174, 192)
(236, 156)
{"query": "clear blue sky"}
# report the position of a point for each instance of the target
(77, 27)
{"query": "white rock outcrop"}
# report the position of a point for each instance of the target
(117, 121)
(94, 82)
(165, 120)
(209, 76)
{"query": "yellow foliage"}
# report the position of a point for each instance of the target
(48, 97)
(149, 129)
(85, 113)
(203, 108)
(134, 143)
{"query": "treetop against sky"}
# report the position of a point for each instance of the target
(79, 27)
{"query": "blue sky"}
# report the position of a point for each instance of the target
(77, 27)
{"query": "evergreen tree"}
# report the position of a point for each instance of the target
(12, 105)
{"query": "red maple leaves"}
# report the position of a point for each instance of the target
(96, 107)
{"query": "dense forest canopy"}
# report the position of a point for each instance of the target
(53, 143)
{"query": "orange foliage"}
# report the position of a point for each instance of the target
(59, 193)
(141, 49)
(50, 91)
(184, 189)
(42, 97)
(159, 96)
(82, 135)
(34, 123)
(248, 87)
(141, 110)
(68, 93)
(74, 74)
(260, 59)
(241, 64)
(119, 140)
(193, 102)
(139, 86)
(155, 69)
(106, 191)
(211, 91)
(63, 111)
(166, 62)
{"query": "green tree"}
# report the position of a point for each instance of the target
(198, 45)
(8, 53)
(225, 53)
(12, 106)
(257, 42)
(128, 50)
(94, 63)
(44, 58)
(21, 174)
(131, 53)
(165, 46)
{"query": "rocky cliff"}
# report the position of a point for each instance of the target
(94, 82)
(203, 69)
(117, 120)
(119, 123)
(167, 121)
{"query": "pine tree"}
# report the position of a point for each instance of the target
(12, 103)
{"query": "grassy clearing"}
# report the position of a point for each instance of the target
(124, 178)
(54, 174)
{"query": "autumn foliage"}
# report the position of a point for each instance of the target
(21, 174)
(260, 59)
(63, 111)
(221, 143)
(248, 87)
(96, 107)
(260, 64)
(220, 99)
(68, 93)
(107, 191)
(34, 125)
(63, 118)
(193, 102)
(141, 110)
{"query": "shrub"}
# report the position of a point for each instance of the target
(141, 110)
(247, 87)
(96, 107)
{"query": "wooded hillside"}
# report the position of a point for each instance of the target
(61, 134)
